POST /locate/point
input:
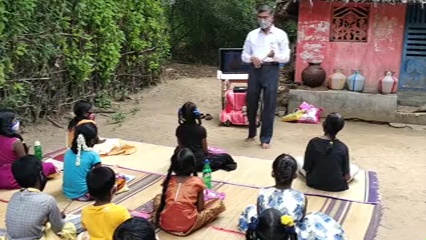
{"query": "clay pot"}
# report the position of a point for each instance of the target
(389, 83)
(313, 75)
(356, 81)
(337, 80)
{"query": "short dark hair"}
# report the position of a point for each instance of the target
(134, 229)
(100, 181)
(26, 171)
(265, 8)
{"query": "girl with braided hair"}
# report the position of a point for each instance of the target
(326, 164)
(79, 160)
(289, 207)
(181, 208)
(190, 134)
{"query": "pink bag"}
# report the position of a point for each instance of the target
(312, 114)
(211, 194)
(215, 150)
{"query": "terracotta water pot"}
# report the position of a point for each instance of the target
(313, 75)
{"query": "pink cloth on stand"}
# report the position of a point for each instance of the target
(7, 157)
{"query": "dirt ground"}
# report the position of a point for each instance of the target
(398, 155)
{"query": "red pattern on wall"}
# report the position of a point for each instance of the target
(349, 23)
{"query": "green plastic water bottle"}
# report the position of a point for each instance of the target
(38, 152)
(207, 174)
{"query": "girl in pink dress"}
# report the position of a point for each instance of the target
(13, 147)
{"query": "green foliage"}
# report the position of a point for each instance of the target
(198, 28)
(118, 117)
(290, 27)
(54, 52)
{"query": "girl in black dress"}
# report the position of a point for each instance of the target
(326, 165)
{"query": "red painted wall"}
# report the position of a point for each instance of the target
(382, 51)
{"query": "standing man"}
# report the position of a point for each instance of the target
(265, 48)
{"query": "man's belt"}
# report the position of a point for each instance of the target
(270, 63)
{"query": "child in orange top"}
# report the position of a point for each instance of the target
(83, 114)
(103, 217)
(182, 208)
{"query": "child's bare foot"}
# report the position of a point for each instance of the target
(265, 145)
(249, 139)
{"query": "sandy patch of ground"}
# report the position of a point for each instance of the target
(398, 155)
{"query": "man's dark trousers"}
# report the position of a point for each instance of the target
(263, 79)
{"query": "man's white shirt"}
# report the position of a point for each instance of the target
(260, 44)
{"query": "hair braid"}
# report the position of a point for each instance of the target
(81, 146)
(163, 194)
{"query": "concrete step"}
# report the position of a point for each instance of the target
(410, 118)
(353, 105)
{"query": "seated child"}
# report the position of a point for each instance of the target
(291, 205)
(181, 208)
(83, 114)
(135, 229)
(12, 147)
(190, 134)
(78, 161)
(32, 214)
(103, 217)
(326, 165)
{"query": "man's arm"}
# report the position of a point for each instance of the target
(247, 51)
(283, 54)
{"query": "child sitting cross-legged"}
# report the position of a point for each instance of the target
(181, 209)
(103, 217)
(32, 214)
(291, 205)
(191, 134)
(79, 160)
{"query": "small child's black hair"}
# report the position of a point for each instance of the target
(135, 229)
(81, 108)
(89, 132)
(332, 125)
(26, 171)
(100, 182)
(284, 168)
(268, 226)
(189, 114)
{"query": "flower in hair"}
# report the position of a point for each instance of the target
(81, 146)
(254, 222)
(287, 221)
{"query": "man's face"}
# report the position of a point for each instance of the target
(264, 19)
(264, 16)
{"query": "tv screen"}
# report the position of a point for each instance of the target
(230, 61)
